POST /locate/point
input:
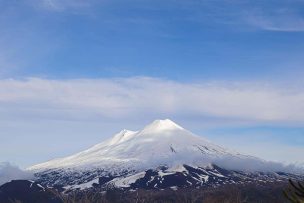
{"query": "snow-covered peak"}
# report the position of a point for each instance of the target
(122, 136)
(161, 125)
(162, 142)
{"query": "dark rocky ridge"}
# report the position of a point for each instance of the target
(161, 178)
(26, 191)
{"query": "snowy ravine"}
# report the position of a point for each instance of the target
(162, 155)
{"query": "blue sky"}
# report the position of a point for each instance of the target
(183, 40)
(229, 70)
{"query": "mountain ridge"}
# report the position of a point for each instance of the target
(162, 153)
(163, 137)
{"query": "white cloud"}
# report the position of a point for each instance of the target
(10, 172)
(282, 23)
(61, 5)
(133, 97)
(283, 16)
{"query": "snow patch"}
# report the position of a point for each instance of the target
(83, 185)
(127, 181)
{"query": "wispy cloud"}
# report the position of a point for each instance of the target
(10, 172)
(280, 15)
(62, 5)
(280, 20)
(132, 97)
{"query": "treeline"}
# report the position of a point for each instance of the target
(249, 193)
(276, 192)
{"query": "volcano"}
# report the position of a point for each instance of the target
(161, 155)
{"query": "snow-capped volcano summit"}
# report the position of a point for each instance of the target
(162, 142)
(162, 154)
(162, 125)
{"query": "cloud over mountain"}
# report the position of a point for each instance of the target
(10, 172)
(132, 97)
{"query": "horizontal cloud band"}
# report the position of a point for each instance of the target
(130, 97)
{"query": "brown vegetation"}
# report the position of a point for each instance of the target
(295, 192)
(250, 193)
